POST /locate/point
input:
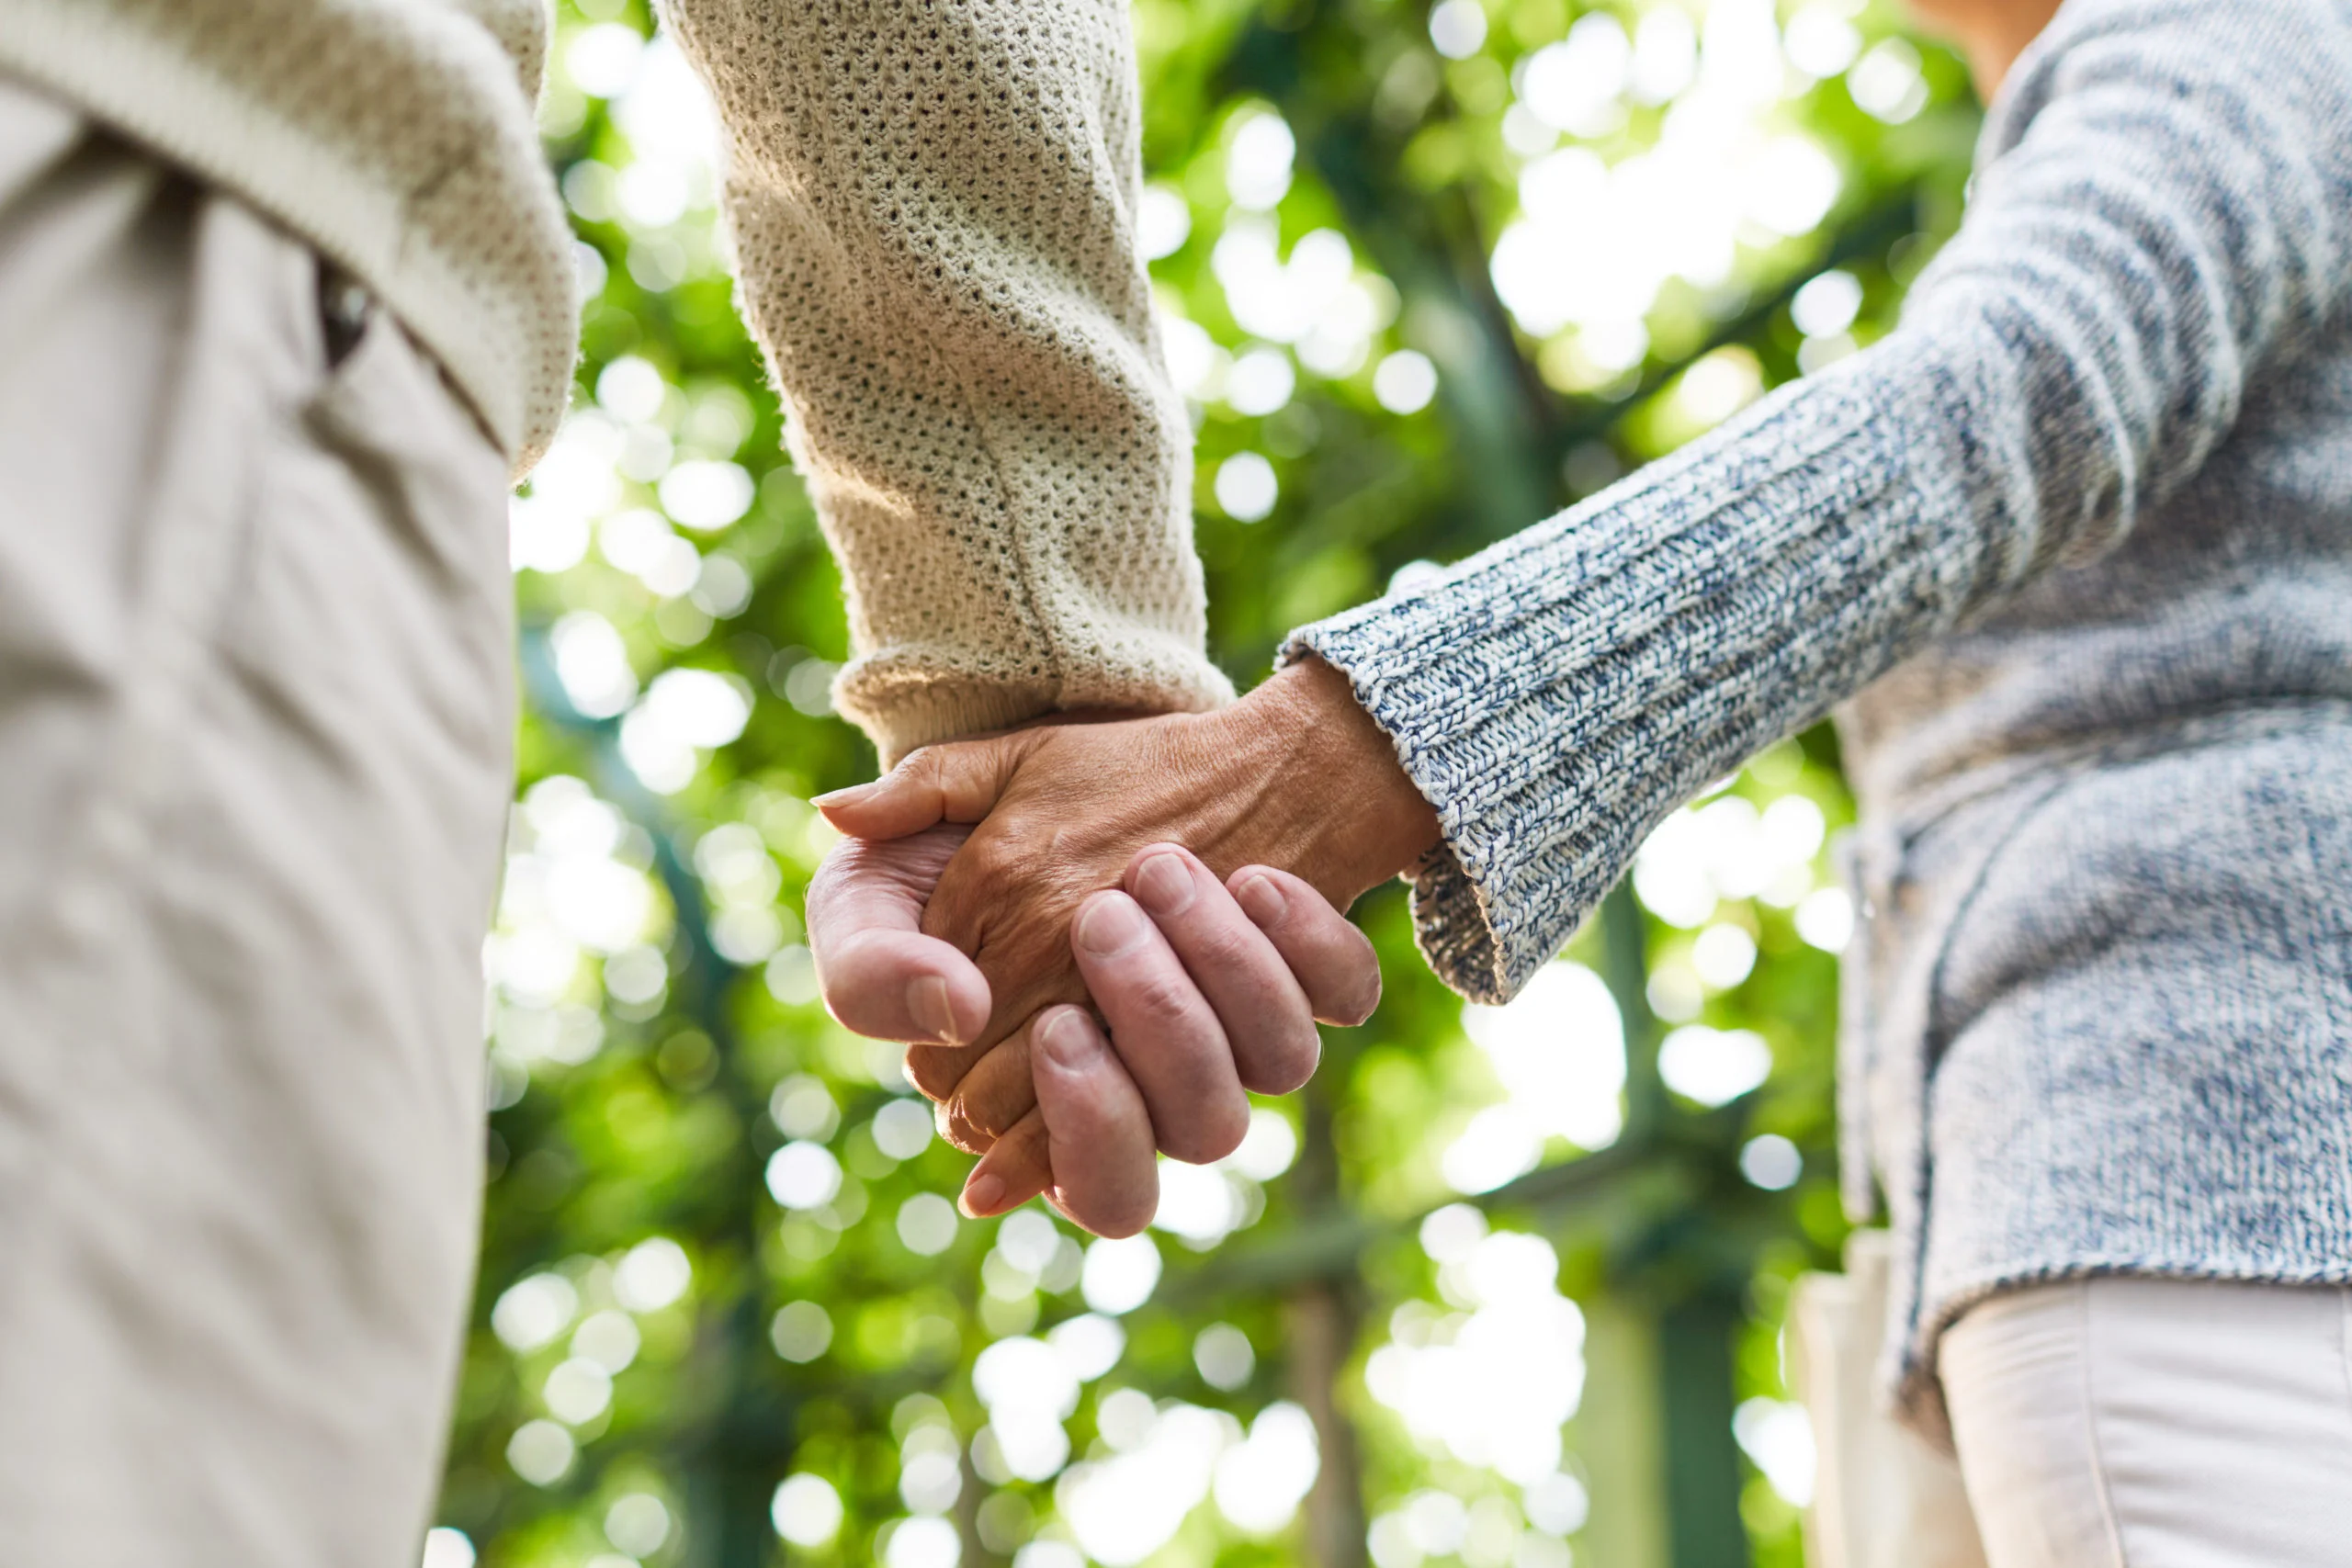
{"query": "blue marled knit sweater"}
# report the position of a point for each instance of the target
(2072, 546)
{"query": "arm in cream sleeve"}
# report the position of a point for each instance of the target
(933, 208)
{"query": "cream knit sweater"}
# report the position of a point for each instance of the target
(933, 206)
(396, 136)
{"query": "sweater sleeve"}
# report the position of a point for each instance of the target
(933, 208)
(2158, 220)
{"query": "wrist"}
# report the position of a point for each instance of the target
(1366, 820)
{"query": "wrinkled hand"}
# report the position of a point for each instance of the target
(1296, 778)
(1273, 954)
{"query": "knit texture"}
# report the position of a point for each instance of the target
(933, 210)
(932, 207)
(2077, 540)
(395, 138)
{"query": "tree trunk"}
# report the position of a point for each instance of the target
(1319, 1325)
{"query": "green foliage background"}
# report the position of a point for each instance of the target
(653, 1020)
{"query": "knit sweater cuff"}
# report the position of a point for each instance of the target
(905, 703)
(1556, 696)
(938, 710)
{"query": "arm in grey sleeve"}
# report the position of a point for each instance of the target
(2159, 221)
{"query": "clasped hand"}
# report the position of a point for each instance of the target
(1185, 874)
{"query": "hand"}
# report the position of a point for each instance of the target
(1294, 776)
(1273, 956)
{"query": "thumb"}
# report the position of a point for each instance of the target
(875, 970)
(956, 781)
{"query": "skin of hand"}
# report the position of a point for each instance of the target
(1273, 955)
(1296, 777)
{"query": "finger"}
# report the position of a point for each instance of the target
(1334, 963)
(1006, 903)
(939, 1070)
(960, 1132)
(1028, 967)
(951, 782)
(1012, 916)
(1017, 1167)
(1098, 1132)
(994, 1093)
(1267, 1018)
(877, 971)
(1163, 1028)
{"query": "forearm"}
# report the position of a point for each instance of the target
(2159, 230)
(1315, 787)
(1560, 695)
(932, 210)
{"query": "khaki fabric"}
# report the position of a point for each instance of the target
(255, 726)
(1883, 1497)
(2133, 1423)
(933, 205)
(393, 136)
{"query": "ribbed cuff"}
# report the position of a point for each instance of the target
(901, 706)
(1556, 696)
(905, 717)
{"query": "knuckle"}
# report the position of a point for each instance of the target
(995, 861)
(1162, 1002)
(995, 1101)
(1220, 948)
(1005, 841)
(996, 1109)
(961, 1135)
(957, 759)
(935, 1070)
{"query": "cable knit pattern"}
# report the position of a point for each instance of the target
(932, 207)
(395, 137)
(2077, 540)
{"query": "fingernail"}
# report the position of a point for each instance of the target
(1110, 925)
(981, 1195)
(1164, 884)
(1063, 1038)
(933, 1014)
(1261, 900)
(849, 796)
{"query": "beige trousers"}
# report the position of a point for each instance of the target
(2156, 1423)
(256, 721)
(1883, 1496)
(2110, 1423)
